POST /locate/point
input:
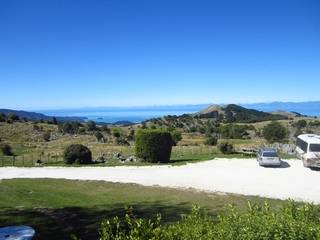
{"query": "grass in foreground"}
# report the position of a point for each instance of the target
(58, 208)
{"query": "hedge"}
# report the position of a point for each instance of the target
(77, 153)
(153, 145)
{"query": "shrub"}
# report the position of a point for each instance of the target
(91, 126)
(235, 131)
(274, 131)
(153, 145)
(69, 127)
(77, 153)
(226, 148)
(2, 117)
(315, 123)
(116, 132)
(211, 141)
(260, 222)
(131, 135)
(12, 117)
(46, 136)
(99, 136)
(106, 129)
(291, 221)
(176, 137)
(6, 149)
(301, 123)
(54, 121)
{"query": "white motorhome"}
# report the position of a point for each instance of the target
(308, 150)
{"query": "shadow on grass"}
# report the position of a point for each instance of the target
(52, 224)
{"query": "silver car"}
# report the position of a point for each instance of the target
(268, 157)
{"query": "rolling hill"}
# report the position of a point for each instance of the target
(38, 116)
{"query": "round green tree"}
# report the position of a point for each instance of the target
(77, 153)
(6, 149)
(274, 132)
(154, 145)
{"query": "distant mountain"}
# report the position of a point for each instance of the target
(311, 108)
(236, 113)
(38, 116)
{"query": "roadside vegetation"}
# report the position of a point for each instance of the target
(58, 208)
(194, 137)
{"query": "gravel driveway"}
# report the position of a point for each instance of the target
(240, 176)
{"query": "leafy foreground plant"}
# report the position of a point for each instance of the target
(292, 221)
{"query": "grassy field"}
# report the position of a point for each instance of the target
(28, 146)
(58, 208)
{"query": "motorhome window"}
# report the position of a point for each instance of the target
(314, 147)
(302, 144)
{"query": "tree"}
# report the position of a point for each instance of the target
(301, 124)
(77, 153)
(106, 129)
(6, 149)
(99, 136)
(54, 121)
(176, 137)
(91, 126)
(211, 141)
(12, 117)
(46, 136)
(69, 127)
(116, 132)
(2, 117)
(131, 134)
(226, 148)
(153, 145)
(274, 131)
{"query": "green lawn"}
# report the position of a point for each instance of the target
(58, 208)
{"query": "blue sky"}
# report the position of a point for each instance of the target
(76, 53)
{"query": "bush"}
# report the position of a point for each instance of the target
(301, 123)
(226, 148)
(46, 136)
(291, 221)
(211, 141)
(116, 132)
(12, 117)
(77, 153)
(153, 145)
(176, 137)
(274, 131)
(106, 129)
(2, 117)
(6, 149)
(91, 126)
(260, 222)
(69, 127)
(235, 131)
(99, 136)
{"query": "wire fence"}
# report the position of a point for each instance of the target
(49, 159)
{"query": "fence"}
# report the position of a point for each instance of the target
(30, 160)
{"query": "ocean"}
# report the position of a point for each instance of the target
(139, 114)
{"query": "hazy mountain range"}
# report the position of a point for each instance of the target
(137, 114)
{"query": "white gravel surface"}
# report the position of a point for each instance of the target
(240, 176)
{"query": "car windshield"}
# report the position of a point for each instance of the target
(270, 154)
(314, 147)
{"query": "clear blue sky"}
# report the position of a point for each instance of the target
(75, 53)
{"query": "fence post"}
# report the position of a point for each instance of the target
(23, 160)
(2, 161)
(13, 160)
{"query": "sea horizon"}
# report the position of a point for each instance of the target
(141, 113)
